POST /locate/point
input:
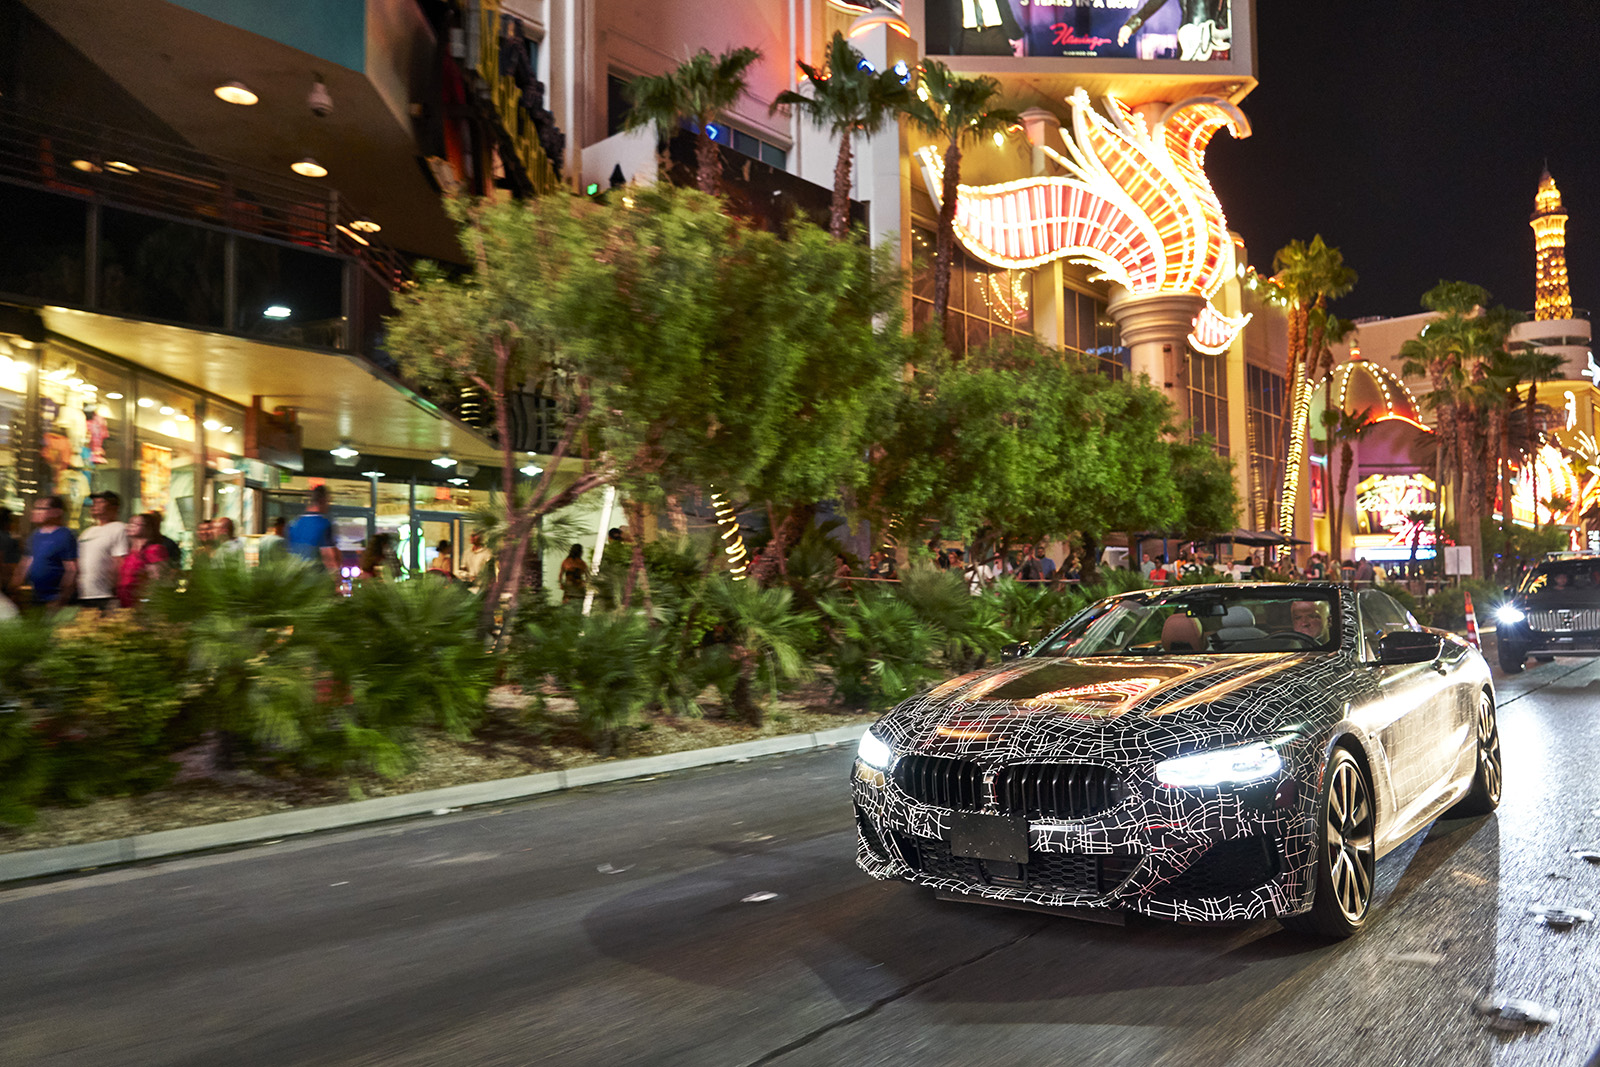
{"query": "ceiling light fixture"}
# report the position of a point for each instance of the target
(113, 396)
(146, 402)
(276, 311)
(227, 429)
(166, 409)
(457, 481)
(532, 470)
(365, 225)
(444, 461)
(120, 167)
(236, 93)
(86, 165)
(212, 425)
(344, 451)
(353, 235)
(309, 168)
(372, 474)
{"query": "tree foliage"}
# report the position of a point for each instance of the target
(847, 97)
(953, 110)
(1035, 443)
(700, 89)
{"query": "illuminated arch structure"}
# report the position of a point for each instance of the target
(1135, 204)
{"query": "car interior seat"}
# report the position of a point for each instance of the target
(1239, 624)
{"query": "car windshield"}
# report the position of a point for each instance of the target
(1579, 575)
(1203, 621)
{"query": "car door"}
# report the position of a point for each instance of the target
(1419, 713)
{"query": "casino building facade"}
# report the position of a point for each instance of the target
(219, 233)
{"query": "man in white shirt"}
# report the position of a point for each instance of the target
(100, 551)
(229, 546)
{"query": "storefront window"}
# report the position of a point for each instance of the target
(166, 422)
(15, 368)
(223, 427)
(82, 430)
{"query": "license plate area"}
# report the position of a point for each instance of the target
(989, 837)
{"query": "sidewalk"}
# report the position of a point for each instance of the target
(39, 863)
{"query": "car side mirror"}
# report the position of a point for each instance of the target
(1016, 651)
(1409, 646)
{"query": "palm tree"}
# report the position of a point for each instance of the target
(953, 109)
(1306, 277)
(847, 98)
(1456, 352)
(700, 89)
(1346, 428)
(1419, 518)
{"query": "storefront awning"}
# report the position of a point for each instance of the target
(338, 397)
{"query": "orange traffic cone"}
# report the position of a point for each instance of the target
(1472, 625)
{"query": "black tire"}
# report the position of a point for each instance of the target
(1346, 858)
(1484, 796)
(1512, 657)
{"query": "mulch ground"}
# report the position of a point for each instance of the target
(513, 741)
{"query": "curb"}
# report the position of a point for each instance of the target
(16, 866)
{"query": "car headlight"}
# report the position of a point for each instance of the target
(1510, 613)
(1223, 766)
(874, 752)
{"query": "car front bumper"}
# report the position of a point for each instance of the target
(1191, 855)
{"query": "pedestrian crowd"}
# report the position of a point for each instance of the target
(111, 563)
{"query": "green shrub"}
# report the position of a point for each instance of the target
(24, 766)
(967, 629)
(90, 707)
(879, 650)
(414, 656)
(1031, 611)
(605, 663)
(765, 638)
(257, 653)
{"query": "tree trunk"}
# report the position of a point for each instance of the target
(1091, 558)
(636, 571)
(745, 706)
(774, 557)
(707, 163)
(839, 213)
(946, 245)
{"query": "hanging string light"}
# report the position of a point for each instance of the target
(732, 540)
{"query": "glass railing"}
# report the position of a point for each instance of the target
(76, 158)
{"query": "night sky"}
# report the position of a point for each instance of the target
(1411, 135)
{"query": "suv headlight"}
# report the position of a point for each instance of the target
(1510, 613)
(874, 751)
(1222, 766)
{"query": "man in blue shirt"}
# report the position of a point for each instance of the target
(311, 534)
(51, 565)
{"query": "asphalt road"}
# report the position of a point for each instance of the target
(630, 924)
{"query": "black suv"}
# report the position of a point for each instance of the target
(1554, 612)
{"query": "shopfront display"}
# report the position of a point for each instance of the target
(14, 374)
(82, 429)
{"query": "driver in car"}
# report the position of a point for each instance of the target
(1305, 617)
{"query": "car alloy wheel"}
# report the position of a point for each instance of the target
(1346, 853)
(1484, 796)
(1350, 851)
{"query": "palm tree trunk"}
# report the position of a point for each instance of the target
(839, 213)
(707, 163)
(946, 245)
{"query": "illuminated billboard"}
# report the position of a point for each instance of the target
(1196, 31)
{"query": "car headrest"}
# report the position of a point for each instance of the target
(1181, 633)
(1238, 615)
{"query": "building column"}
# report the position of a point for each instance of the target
(1155, 329)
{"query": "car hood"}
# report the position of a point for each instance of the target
(1022, 702)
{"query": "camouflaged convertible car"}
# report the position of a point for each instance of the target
(1199, 753)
